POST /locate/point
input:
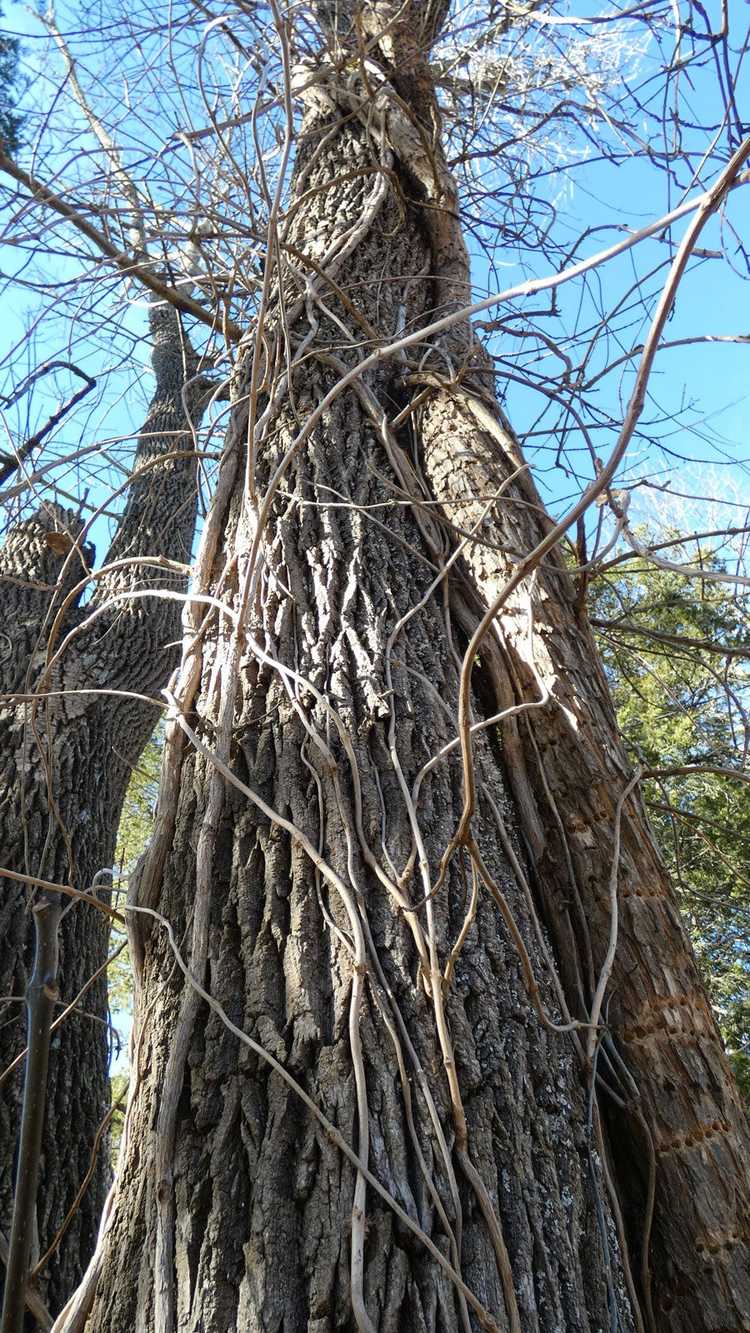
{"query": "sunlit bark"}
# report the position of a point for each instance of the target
(383, 1117)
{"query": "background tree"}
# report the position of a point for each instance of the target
(676, 653)
(10, 120)
(88, 652)
(77, 680)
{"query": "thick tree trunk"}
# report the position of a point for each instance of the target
(678, 1126)
(353, 1104)
(67, 758)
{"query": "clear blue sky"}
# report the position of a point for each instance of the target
(704, 387)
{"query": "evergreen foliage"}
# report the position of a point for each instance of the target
(10, 120)
(138, 811)
(119, 1085)
(679, 704)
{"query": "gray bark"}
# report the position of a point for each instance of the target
(66, 762)
(235, 1211)
(678, 1124)
(411, 999)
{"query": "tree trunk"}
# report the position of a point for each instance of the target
(363, 1105)
(67, 757)
(678, 1126)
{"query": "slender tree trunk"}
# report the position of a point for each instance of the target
(67, 757)
(383, 1118)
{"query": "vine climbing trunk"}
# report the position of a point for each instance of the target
(74, 717)
(370, 956)
(679, 1129)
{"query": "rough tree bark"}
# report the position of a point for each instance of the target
(67, 759)
(311, 787)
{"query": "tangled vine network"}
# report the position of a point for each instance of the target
(406, 959)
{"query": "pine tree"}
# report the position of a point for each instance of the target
(10, 119)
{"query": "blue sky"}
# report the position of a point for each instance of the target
(704, 388)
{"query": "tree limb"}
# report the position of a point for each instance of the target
(127, 264)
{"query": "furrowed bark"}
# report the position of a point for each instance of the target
(313, 782)
(683, 1118)
(67, 759)
(303, 895)
(681, 1138)
(41, 996)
